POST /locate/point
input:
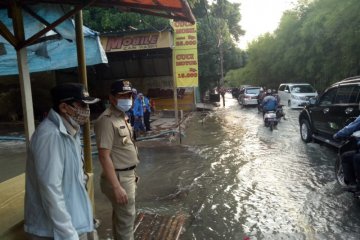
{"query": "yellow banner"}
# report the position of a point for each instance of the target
(184, 35)
(185, 59)
(136, 42)
(186, 67)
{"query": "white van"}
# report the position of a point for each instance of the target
(295, 95)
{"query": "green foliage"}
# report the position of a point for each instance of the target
(218, 26)
(316, 42)
(111, 20)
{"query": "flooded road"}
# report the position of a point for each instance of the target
(234, 178)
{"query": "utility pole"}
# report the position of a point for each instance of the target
(221, 62)
(221, 84)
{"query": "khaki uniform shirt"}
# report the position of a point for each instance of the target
(114, 133)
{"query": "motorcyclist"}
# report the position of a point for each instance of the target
(351, 159)
(269, 103)
(261, 96)
(279, 111)
(276, 95)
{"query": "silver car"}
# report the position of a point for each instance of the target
(249, 96)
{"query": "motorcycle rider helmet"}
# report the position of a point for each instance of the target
(268, 92)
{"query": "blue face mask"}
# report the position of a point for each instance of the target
(124, 104)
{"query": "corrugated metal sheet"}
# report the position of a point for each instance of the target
(173, 9)
(52, 54)
(157, 227)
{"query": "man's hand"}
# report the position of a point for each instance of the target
(120, 195)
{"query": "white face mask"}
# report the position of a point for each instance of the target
(124, 104)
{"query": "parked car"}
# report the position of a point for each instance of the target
(296, 95)
(334, 109)
(249, 96)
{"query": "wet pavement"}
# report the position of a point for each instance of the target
(233, 178)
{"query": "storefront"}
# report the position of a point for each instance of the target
(146, 59)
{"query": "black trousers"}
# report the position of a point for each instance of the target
(351, 167)
(147, 120)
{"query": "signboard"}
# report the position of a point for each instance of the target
(185, 59)
(136, 42)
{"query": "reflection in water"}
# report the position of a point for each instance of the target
(12, 159)
(233, 178)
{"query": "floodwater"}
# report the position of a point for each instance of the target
(233, 178)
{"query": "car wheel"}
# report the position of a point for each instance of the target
(289, 104)
(305, 130)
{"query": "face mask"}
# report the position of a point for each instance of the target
(73, 122)
(81, 115)
(124, 104)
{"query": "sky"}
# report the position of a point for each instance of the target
(260, 16)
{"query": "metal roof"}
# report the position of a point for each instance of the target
(173, 9)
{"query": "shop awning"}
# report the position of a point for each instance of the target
(58, 48)
(173, 9)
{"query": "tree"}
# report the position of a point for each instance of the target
(316, 42)
(218, 28)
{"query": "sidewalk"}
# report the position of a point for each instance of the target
(163, 129)
(159, 123)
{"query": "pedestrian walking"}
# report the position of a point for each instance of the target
(222, 93)
(118, 157)
(57, 205)
(138, 111)
(146, 110)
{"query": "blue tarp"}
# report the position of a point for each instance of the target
(52, 54)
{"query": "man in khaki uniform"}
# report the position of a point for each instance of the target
(118, 157)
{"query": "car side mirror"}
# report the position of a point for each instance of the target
(286, 90)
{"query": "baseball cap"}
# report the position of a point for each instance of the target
(120, 87)
(72, 92)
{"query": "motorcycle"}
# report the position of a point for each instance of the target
(349, 144)
(270, 119)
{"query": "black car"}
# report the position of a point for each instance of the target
(327, 114)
